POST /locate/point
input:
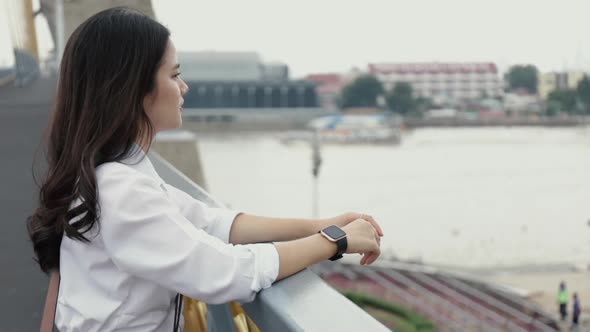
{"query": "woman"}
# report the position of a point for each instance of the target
(125, 242)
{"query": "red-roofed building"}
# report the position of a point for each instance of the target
(459, 81)
(329, 86)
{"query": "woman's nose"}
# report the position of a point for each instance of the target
(183, 88)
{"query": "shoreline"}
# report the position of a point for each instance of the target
(535, 282)
(541, 288)
(265, 120)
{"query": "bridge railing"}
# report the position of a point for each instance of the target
(302, 302)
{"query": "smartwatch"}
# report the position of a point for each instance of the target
(336, 234)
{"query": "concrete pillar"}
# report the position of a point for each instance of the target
(284, 96)
(268, 97)
(235, 96)
(251, 96)
(218, 97)
(77, 11)
(300, 96)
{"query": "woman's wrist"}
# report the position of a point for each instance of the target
(316, 225)
(332, 246)
(299, 254)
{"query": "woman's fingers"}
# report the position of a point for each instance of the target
(373, 222)
(364, 260)
(371, 256)
(364, 240)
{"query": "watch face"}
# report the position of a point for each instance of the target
(334, 232)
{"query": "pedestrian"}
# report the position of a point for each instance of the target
(562, 300)
(576, 311)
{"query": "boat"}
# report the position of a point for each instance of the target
(381, 128)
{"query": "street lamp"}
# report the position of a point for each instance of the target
(316, 159)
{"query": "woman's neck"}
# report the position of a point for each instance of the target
(145, 143)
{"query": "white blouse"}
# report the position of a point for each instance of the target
(153, 241)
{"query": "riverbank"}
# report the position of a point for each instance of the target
(541, 288)
(569, 121)
(536, 282)
(247, 120)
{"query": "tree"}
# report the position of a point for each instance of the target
(583, 91)
(423, 104)
(562, 101)
(523, 77)
(401, 99)
(553, 107)
(362, 92)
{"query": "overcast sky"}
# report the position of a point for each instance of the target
(335, 35)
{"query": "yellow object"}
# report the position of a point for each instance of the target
(195, 317)
(21, 24)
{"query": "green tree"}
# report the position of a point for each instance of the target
(583, 91)
(553, 107)
(523, 76)
(362, 92)
(423, 104)
(563, 101)
(401, 98)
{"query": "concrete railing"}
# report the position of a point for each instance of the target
(7, 76)
(303, 302)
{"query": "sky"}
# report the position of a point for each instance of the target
(335, 36)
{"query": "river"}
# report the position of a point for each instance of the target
(473, 197)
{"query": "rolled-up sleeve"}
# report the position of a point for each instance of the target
(215, 221)
(146, 235)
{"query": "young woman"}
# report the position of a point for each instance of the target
(125, 242)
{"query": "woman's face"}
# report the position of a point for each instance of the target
(163, 105)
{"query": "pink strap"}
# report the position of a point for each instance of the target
(50, 303)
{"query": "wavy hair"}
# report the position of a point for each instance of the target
(108, 66)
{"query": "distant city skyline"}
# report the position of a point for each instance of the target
(335, 36)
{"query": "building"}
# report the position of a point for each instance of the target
(236, 80)
(447, 81)
(275, 71)
(329, 86)
(251, 94)
(221, 66)
(521, 102)
(558, 81)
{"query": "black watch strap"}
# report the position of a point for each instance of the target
(342, 244)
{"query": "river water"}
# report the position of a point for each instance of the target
(474, 197)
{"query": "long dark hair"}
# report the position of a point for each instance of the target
(108, 67)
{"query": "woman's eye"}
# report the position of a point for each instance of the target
(177, 75)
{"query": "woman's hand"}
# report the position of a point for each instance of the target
(363, 235)
(363, 239)
(346, 218)
(349, 218)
